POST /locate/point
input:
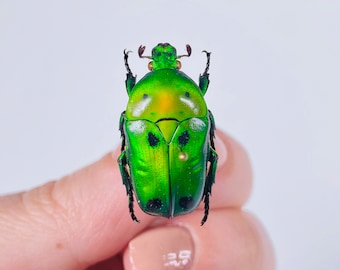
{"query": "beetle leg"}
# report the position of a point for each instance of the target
(121, 129)
(212, 129)
(130, 79)
(122, 162)
(213, 157)
(127, 182)
(204, 78)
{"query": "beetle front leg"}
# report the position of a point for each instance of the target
(204, 78)
(130, 79)
(127, 182)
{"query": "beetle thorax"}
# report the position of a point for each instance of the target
(165, 94)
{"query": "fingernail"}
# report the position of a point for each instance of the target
(167, 247)
(221, 149)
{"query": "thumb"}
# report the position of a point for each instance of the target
(70, 223)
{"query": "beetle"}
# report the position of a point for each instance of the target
(168, 158)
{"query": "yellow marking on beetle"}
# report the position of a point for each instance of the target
(166, 102)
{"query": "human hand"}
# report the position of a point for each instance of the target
(82, 222)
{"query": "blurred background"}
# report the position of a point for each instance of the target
(274, 87)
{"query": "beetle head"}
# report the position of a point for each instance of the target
(164, 56)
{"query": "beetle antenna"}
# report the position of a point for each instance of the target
(188, 52)
(141, 50)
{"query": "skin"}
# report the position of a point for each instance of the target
(82, 220)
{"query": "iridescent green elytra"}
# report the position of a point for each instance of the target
(168, 156)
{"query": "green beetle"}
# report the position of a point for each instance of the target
(168, 156)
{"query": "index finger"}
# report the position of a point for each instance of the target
(83, 218)
(233, 182)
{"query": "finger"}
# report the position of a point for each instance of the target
(233, 182)
(74, 222)
(232, 239)
(115, 263)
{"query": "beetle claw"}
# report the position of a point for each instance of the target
(141, 50)
(206, 209)
(134, 218)
(188, 49)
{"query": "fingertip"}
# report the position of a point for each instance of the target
(230, 239)
(163, 247)
(233, 183)
(221, 148)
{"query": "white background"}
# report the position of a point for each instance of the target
(274, 87)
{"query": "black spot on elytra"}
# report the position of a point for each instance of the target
(145, 96)
(187, 94)
(152, 139)
(154, 204)
(184, 138)
(186, 202)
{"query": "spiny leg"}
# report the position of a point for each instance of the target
(204, 78)
(127, 182)
(122, 162)
(213, 157)
(121, 129)
(130, 79)
(212, 129)
(208, 63)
